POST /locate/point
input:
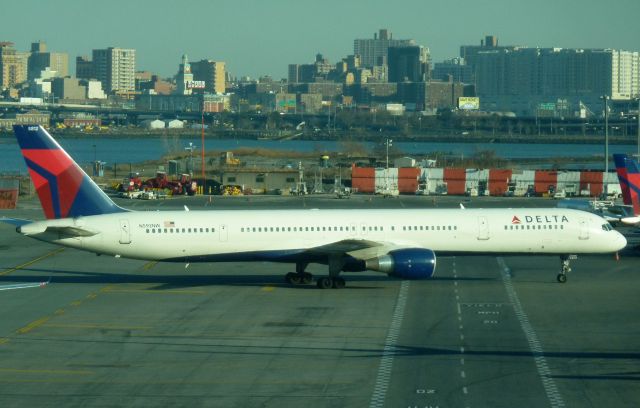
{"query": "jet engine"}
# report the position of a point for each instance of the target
(409, 263)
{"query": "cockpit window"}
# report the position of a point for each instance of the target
(607, 227)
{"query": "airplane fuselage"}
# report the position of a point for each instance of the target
(284, 235)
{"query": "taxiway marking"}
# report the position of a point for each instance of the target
(534, 344)
(31, 262)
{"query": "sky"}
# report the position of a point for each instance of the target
(261, 37)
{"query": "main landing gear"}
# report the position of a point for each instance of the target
(565, 267)
(299, 276)
(326, 282)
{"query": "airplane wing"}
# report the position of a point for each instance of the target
(358, 248)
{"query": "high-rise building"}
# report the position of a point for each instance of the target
(454, 70)
(212, 73)
(40, 59)
(13, 66)
(408, 63)
(115, 68)
(373, 52)
(84, 68)
(490, 43)
(521, 79)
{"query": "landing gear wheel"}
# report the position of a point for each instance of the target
(325, 283)
(562, 278)
(338, 283)
(293, 278)
(307, 278)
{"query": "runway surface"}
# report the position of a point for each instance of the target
(485, 332)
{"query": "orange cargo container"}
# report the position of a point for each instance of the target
(591, 180)
(498, 181)
(455, 179)
(544, 179)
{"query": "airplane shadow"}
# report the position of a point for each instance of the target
(167, 282)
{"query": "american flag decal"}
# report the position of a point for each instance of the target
(169, 224)
(515, 220)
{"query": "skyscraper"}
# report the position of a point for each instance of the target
(408, 63)
(373, 52)
(115, 68)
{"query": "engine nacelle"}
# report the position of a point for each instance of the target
(409, 263)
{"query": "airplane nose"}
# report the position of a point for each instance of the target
(620, 241)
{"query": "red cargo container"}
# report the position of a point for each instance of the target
(498, 181)
(592, 181)
(367, 172)
(544, 179)
(8, 199)
(455, 179)
(408, 180)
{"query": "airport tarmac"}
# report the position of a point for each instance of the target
(485, 332)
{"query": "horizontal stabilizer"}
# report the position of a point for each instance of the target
(15, 221)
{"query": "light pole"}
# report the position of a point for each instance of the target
(388, 143)
(191, 148)
(606, 140)
(638, 115)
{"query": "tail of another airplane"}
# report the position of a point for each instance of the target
(63, 187)
(621, 168)
(629, 176)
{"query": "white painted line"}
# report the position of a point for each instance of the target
(463, 374)
(386, 361)
(462, 350)
(464, 390)
(534, 344)
(462, 337)
(459, 310)
(462, 361)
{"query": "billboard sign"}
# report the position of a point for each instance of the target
(468, 103)
(195, 84)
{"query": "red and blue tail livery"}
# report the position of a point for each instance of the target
(629, 177)
(64, 189)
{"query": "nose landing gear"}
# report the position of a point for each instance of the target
(565, 267)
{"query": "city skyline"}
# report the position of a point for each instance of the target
(256, 38)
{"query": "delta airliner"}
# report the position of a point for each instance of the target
(402, 243)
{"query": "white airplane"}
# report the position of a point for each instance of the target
(402, 243)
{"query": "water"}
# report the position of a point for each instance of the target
(137, 149)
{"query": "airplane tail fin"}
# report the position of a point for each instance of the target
(621, 168)
(630, 179)
(64, 189)
(633, 179)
